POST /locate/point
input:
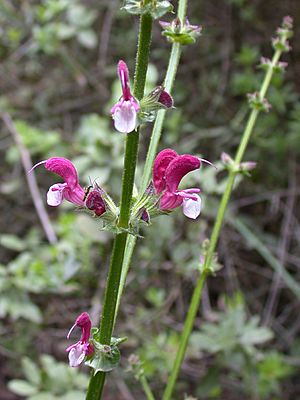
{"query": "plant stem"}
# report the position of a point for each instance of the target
(197, 294)
(146, 388)
(113, 281)
(157, 128)
(154, 141)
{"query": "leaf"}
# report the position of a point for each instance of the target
(31, 371)
(73, 395)
(43, 396)
(21, 387)
(87, 38)
(254, 336)
(12, 242)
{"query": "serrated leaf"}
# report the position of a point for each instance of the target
(22, 388)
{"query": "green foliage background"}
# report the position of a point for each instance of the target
(58, 82)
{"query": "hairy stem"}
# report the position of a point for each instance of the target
(197, 294)
(131, 149)
(154, 141)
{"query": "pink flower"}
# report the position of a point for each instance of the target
(78, 351)
(70, 189)
(169, 168)
(124, 112)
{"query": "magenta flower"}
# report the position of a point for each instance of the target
(69, 190)
(124, 112)
(78, 351)
(169, 168)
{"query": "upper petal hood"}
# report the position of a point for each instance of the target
(64, 168)
(178, 168)
(161, 163)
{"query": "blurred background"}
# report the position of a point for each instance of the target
(57, 84)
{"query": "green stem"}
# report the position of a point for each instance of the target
(113, 281)
(154, 141)
(157, 128)
(146, 388)
(197, 294)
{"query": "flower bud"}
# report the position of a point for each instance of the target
(257, 103)
(247, 166)
(157, 99)
(226, 159)
(180, 32)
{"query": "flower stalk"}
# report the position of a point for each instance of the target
(153, 145)
(131, 148)
(197, 294)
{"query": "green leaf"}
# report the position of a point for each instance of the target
(73, 395)
(43, 396)
(31, 371)
(87, 38)
(22, 388)
(12, 242)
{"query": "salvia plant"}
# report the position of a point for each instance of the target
(159, 192)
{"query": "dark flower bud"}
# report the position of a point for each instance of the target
(95, 202)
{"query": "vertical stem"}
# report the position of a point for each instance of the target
(146, 388)
(157, 128)
(155, 137)
(113, 281)
(197, 294)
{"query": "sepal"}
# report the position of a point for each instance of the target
(180, 32)
(157, 8)
(158, 99)
(214, 266)
(257, 103)
(105, 357)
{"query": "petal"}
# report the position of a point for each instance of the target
(125, 117)
(55, 194)
(75, 195)
(124, 78)
(161, 163)
(64, 168)
(178, 168)
(85, 323)
(169, 201)
(192, 208)
(77, 355)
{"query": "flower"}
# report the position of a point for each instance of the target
(70, 189)
(78, 351)
(95, 202)
(124, 112)
(92, 197)
(168, 170)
